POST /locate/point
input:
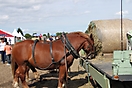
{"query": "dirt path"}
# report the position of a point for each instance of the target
(49, 80)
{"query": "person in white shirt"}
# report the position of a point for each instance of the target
(2, 52)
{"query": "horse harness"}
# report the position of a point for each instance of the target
(67, 45)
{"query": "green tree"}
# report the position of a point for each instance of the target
(34, 34)
(28, 36)
(19, 30)
(86, 31)
(58, 33)
(44, 35)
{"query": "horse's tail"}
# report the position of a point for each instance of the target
(13, 66)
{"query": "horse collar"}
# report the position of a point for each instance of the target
(68, 45)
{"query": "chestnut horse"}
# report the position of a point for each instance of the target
(57, 54)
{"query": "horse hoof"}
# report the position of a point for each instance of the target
(63, 85)
(15, 85)
(36, 75)
(68, 77)
(27, 80)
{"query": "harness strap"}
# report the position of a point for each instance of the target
(53, 62)
(67, 44)
(44, 40)
(70, 48)
(51, 52)
(65, 59)
(33, 49)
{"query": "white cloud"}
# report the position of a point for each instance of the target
(128, 1)
(123, 12)
(36, 7)
(76, 1)
(87, 12)
(4, 17)
(25, 30)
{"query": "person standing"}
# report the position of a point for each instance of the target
(5, 39)
(51, 39)
(8, 49)
(18, 39)
(10, 41)
(2, 52)
(40, 37)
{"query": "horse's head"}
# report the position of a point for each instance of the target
(88, 46)
(85, 42)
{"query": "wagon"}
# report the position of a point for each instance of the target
(111, 70)
(113, 67)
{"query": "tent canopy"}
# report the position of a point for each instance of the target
(4, 33)
(15, 33)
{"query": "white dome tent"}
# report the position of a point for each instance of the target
(16, 35)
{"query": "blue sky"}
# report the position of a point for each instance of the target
(51, 16)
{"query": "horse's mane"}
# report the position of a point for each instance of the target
(81, 34)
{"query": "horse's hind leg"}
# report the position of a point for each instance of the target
(62, 77)
(16, 81)
(21, 73)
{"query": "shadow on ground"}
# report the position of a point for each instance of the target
(50, 80)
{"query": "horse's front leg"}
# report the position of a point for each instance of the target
(36, 74)
(27, 75)
(62, 77)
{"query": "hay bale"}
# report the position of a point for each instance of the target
(107, 34)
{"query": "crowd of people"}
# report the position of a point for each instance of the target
(52, 38)
(5, 51)
(6, 48)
